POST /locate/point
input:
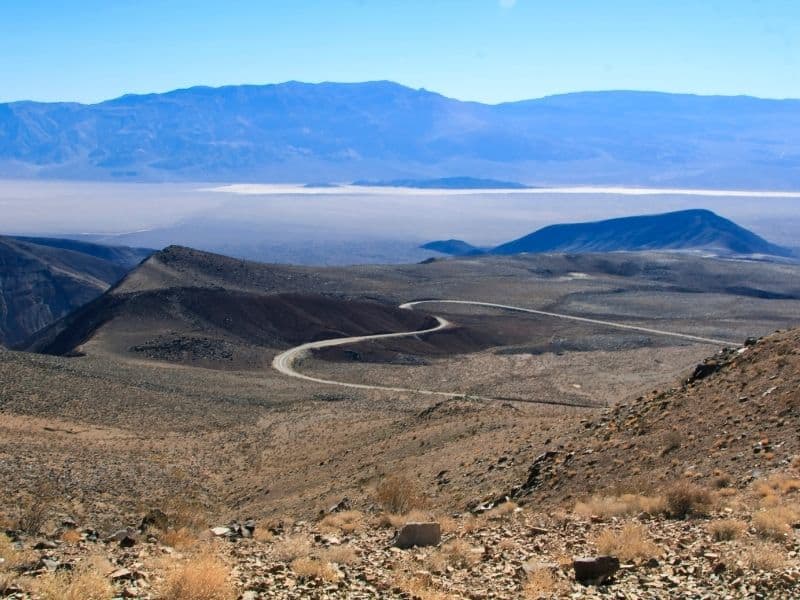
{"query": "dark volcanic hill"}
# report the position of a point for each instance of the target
(682, 230)
(453, 247)
(188, 306)
(43, 279)
(382, 130)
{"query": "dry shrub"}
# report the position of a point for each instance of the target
(777, 483)
(71, 536)
(726, 529)
(776, 522)
(397, 521)
(619, 506)
(672, 441)
(765, 557)
(460, 554)
(312, 568)
(348, 521)
(262, 534)
(721, 480)
(10, 557)
(340, 555)
(202, 578)
(542, 584)
(189, 515)
(632, 542)
(81, 584)
(36, 508)
(421, 587)
(684, 499)
(501, 511)
(447, 524)
(181, 538)
(399, 495)
(295, 546)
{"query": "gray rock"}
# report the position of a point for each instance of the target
(418, 534)
(595, 570)
(220, 531)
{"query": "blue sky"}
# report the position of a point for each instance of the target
(487, 50)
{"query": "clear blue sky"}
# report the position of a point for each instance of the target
(487, 50)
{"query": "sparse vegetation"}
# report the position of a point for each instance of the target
(340, 555)
(727, 529)
(348, 521)
(542, 584)
(84, 583)
(292, 547)
(765, 557)
(686, 499)
(618, 506)
(400, 495)
(630, 543)
(501, 511)
(313, 568)
(203, 577)
(776, 522)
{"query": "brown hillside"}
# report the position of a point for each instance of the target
(737, 417)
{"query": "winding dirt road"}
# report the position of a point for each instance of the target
(284, 362)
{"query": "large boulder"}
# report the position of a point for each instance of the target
(418, 534)
(595, 570)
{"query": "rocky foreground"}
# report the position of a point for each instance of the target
(691, 542)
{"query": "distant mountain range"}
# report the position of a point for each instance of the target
(43, 279)
(384, 131)
(695, 229)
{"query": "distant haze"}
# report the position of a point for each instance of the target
(341, 225)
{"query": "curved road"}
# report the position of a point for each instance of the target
(284, 362)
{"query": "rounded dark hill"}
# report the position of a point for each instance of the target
(210, 325)
(696, 229)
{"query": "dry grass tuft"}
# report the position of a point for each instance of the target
(765, 557)
(202, 578)
(312, 568)
(501, 511)
(348, 521)
(180, 539)
(542, 584)
(776, 522)
(400, 495)
(295, 546)
(80, 584)
(780, 484)
(619, 506)
(71, 536)
(397, 521)
(632, 542)
(726, 529)
(460, 554)
(421, 587)
(684, 499)
(340, 555)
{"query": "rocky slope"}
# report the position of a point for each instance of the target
(43, 279)
(731, 421)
